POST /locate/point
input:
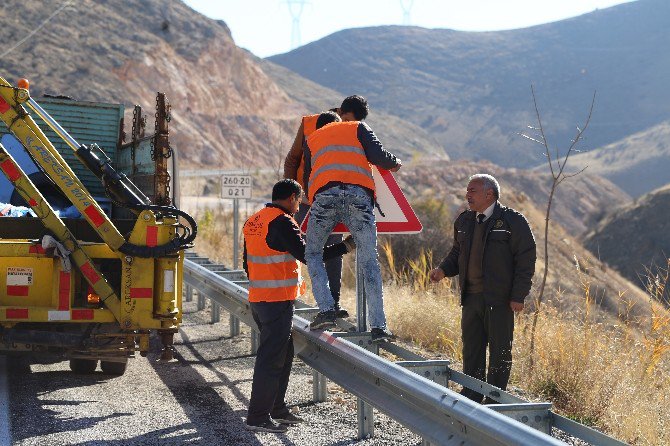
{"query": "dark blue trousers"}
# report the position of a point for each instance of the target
(273, 360)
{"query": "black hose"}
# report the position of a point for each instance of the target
(183, 241)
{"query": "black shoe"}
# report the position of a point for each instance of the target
(323, 319)
(266, 426)
(287, 418)
(340, 312)
(382, 335)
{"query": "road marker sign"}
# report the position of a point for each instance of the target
(394, 215)
(236, 186)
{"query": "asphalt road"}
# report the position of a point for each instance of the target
(200, 398)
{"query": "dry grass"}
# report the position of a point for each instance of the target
(612, 376)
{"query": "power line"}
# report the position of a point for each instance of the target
(41, 25)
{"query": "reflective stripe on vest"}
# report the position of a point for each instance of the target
(308, 127)
(281, 258)
(273, 283)
(273, 275)
(337, 155)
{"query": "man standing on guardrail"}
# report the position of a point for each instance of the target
(273, 248)
(494, 257)
(294, 168)
(340, 188)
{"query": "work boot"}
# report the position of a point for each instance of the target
(266, 426)
(340, 312)
(323, 320)
(382, 335)
(287, 418)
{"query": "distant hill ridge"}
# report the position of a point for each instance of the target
(471, 90)
(635, 237)
(637, 164)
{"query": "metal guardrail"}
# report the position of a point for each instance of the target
(401, 390)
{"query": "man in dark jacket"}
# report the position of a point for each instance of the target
(494, 256)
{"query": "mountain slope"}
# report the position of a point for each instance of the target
(226, 111)
(638, 164)
(472, 90)
(635, 236)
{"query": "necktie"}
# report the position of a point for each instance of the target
(480, 218)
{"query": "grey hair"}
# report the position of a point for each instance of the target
(489, 183)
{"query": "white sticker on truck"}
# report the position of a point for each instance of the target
(59, 315)
(168, 281)
(19, 276)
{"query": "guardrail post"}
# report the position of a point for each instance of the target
(234, 325)
(365, 415)
(216, 312)
(189, 293)
(366, 424)
(319, 387)
(201, 300)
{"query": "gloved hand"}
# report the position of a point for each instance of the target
(349, 243)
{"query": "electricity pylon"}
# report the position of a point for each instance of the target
(406, 6)
(295, 8)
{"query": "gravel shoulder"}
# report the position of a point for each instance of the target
(198, 398)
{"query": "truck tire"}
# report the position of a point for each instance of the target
(113, 367)
(83, 366)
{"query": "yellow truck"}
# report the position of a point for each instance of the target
(92, 288)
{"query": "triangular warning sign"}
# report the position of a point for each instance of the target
(394, 214)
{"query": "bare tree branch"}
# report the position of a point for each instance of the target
(558, 176)
(531, 138)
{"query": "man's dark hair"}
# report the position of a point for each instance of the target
(326, 118)
(356, 104)
(285, 189)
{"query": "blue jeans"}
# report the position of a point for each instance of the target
(353, 206)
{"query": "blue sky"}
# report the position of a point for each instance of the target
(264, 27)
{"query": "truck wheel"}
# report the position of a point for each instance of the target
(83, 366)
(113, 367)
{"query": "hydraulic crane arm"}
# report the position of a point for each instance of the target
(117, 186)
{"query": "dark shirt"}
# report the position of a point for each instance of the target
(374, 152)
(284, 235)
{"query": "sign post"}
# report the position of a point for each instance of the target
(393, 215)
(237, 187)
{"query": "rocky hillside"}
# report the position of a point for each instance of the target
(471, 90)
(226, 111)
(635, 237)
(637, 164)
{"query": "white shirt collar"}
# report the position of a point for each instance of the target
(488, 211)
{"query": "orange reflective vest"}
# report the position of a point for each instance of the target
(308, 127)
(274, 276)
(337, 155)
